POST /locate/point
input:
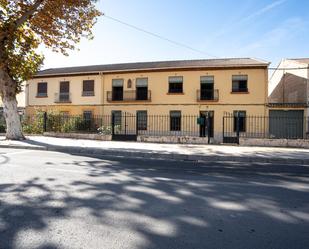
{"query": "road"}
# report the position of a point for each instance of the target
(52, 200)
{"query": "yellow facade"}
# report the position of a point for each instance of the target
(162, 102)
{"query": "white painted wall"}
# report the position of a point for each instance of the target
(287, 63)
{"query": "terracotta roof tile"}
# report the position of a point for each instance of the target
(136, 66)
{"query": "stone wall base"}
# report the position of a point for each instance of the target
(288, 143)
(79, 136)
(174, 139)
(142, 138)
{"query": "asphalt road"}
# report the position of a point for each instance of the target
(53, 200)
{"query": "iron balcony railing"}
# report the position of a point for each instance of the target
(208, 95)
(63, 98)
(87, 93)
(40, 95)
(132, 95)
(240, 90)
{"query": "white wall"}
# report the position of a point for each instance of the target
(277, 74)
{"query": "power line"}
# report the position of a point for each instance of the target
(180, 44)
(159, 36)
(292, 68)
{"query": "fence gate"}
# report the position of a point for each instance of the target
(231, 128)
(286, 124)
(124, 126)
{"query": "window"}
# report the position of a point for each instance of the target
(207, 88)
(141, 120)
(117, 93)
(87, 115)
(141, 88)
(64, 87)
(239, 83)
(175, 120)
(42, 89)
(64, 95)
(241, 121)
(88, 88)
(87, 124)
(175, 84)
(116, 115)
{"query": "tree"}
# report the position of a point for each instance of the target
(24, 25)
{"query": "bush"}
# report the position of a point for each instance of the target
(53, 123)
(33, 124)
(71, 124)
(107, 129)
(64, 124)
(68, 126)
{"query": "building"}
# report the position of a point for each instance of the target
(289, 83)
(289, 97)
(173, 89)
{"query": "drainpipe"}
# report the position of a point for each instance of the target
(102, 92)
(266, 91)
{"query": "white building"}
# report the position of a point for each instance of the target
(289, 83)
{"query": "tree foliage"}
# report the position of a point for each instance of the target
(26, 24)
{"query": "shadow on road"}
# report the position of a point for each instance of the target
(167, 204)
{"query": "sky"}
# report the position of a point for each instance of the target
(264, 29)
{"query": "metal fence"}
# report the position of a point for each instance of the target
(126, 124)
(165, 125)
(237, 126)
(78, 123)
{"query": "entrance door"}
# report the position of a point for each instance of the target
(207, 126)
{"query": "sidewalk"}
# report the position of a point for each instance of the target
(163, 151)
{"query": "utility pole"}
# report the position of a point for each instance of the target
(283, 86)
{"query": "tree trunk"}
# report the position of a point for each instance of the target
(8, 94)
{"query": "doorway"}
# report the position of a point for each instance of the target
(207, 124)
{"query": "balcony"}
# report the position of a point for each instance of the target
(127, 96)
(208, 95)
(63, 98)
(87, 93)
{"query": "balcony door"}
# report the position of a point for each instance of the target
(207, 88)
(64, 91)
(141, 89)
(117, 90)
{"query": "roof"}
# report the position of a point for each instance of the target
(157, 65)
(301, 60)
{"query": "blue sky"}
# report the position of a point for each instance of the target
(265, 29)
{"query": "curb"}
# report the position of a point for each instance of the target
(152, 155)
